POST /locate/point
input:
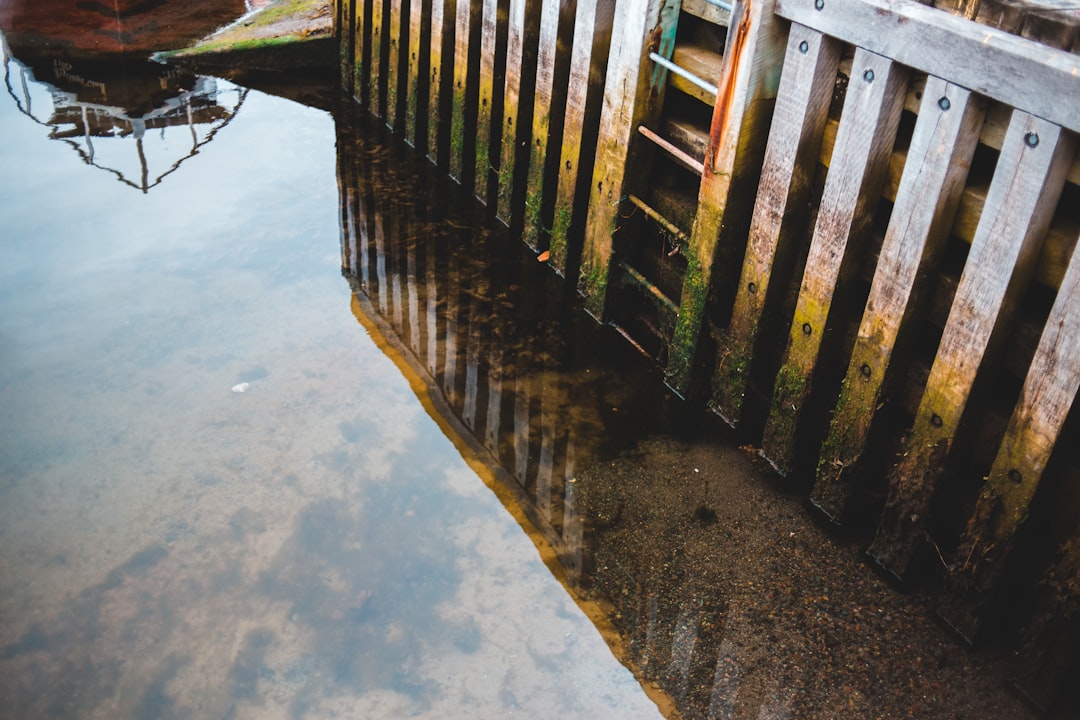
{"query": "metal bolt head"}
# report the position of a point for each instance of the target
(944, 103)
(936, 420)
(1031, 139)
(1015, 476)
(752, 287)
(819, 4)
(807, 329)
(865, 370)
(804, 47)
(868, 76)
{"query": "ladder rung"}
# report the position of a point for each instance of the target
(684, 73)
(657, 294)
(660, 219)
(688, 161)
(721, 4)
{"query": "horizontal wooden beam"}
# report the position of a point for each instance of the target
(1040, 80)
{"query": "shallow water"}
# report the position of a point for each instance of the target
(170, 546)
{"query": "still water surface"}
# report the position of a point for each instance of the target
(314, 546)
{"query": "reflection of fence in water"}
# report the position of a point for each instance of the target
(491, 370)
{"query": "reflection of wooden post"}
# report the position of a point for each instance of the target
(484, 111)
(1027, 183)
(802, 104)
(413, 296)
(435, 80)
(380, 257)
(737, 135)
(515, 49)
(1049, 391)
(459, 99)
(577, 92)
(432, 299)
(416, 73)
(864, 142)
(944, 141)
(453, 291)
(541, 120)
(394, 69)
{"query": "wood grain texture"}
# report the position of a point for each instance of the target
(485, 110)
(938, 159)
(436, 73)
(577, 91)
(1035, 78)
(415, 75)
(639, 25)
(1033, 431)
(1025, 190)
(459, 100)
(802, 105)
(515, 49)
(541, 122)
(395, 67)
(749, 77)
(864, 143)
(377, 92)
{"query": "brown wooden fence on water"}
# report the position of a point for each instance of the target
(849, 226)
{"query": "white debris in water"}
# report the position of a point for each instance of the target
(242, 387)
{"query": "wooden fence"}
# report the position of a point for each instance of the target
(849, 226)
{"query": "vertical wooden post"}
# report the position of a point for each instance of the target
(1048, 394)
(416, 73)
(435, 83)
(541, 120)
(791, 157)
(488, 28)
(748, 81)
(1027, 183)
(515, 49)
(377, 85)
(577, 92)
(864, 142)
(462, 22)
(938, 158)
(632, 90)
(394, 68)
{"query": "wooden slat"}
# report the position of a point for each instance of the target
(628, 102)
(484, 112)
(395, 69)
(415, 73)
(577, 91)
(1048, 394)
(738, 130)
(1040, 80)
(377, 92)
(938, 159)
(458, 162)
(704, 63)
(435, 80)
(515, 48)
(868, 127)
(802, 105)
(1027, 183)
(707, 11)
(541, 121)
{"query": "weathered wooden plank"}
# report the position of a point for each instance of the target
(416, 74)
(749, 78)
(802, 105)
(1048, 394)
(377, 91)
(868, 125)
(435, 152)
(1025, 189)
(515, 52)
(633, 91)
(484, 172)
(396, 69)
(1037, 79)
(541, 122)
(701, 62)
(707, 11)
(458, 104)
(938, 159)
(577, 91)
